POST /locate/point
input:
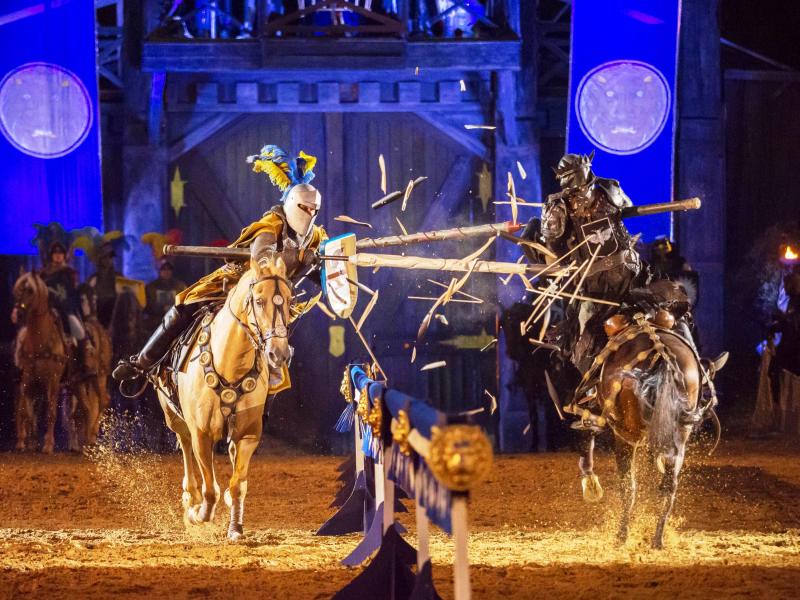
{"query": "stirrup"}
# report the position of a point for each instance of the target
(127, 370)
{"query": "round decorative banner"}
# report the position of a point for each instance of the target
(622, 106)
(45, 110)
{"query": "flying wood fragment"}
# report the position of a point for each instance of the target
(346, 219)
(493, 401)
(463, 85)
(521, 170)
(527, 429)
(387, 199)
(489, 127)
(402, 227)
(409, 189)
(413, 353)
(489, 345)
(442, 319)
(434, 365)
(382, 165)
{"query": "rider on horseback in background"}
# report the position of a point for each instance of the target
(62, 285)
(286, 231)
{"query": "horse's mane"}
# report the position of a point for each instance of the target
(238, 294)
(41, 292)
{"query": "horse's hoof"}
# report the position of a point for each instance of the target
(47, 449)
(658, 544)
(192, 515)
(235, 533)
(592, 490)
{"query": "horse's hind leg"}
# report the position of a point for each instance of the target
(191, 480)
(625, 454)
(590, 484)
(669, 488)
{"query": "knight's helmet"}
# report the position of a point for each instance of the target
(574, 171)
(301, 200)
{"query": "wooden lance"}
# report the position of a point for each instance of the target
(457, 233)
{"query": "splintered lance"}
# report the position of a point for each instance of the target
(457, 233)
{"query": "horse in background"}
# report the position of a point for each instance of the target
(90, 385)
(653, 391)
(235, 358)
(41, 354)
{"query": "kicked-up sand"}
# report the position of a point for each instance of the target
(111, 525)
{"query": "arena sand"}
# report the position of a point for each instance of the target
(111, 526)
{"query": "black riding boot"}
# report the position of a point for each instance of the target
(172, 325)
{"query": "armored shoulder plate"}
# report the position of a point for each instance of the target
(613, 192)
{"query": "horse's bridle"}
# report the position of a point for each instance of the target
(279, 329)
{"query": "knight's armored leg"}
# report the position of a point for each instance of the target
(173, 323)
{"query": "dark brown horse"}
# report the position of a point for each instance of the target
(653, 391)
(41, 354)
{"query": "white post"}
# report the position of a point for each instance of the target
(380, 490)
(388, 495)
(423, 536)
(458, 517)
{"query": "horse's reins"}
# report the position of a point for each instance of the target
(258, 338)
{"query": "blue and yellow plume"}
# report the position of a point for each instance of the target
(283, 172)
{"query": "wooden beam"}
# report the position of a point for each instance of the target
(212, 196)
(201, 133)
(289, 105)
(280, 55)
(459, 135)
(760, 75)
(156, 106)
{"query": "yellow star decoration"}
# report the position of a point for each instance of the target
(176, 192)
(485, 186)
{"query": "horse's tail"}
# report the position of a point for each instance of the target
(662, 402)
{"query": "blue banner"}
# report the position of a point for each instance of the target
(49, 119)
(622, 97)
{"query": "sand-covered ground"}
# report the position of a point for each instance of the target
(71, 527)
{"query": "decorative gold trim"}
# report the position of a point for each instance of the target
(203, 338)
(363, 405)
(346, 388)
(401, 428)
(460, 456)
(207, 320)
(212, 380)
(249, 384)
(227, 395)
(205, 358)
(375, 419)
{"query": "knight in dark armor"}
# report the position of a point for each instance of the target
(586, 217)
(287, 231)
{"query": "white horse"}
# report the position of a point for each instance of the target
(239, 357)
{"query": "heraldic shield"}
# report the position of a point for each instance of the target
(339, 277)
(600, 233)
